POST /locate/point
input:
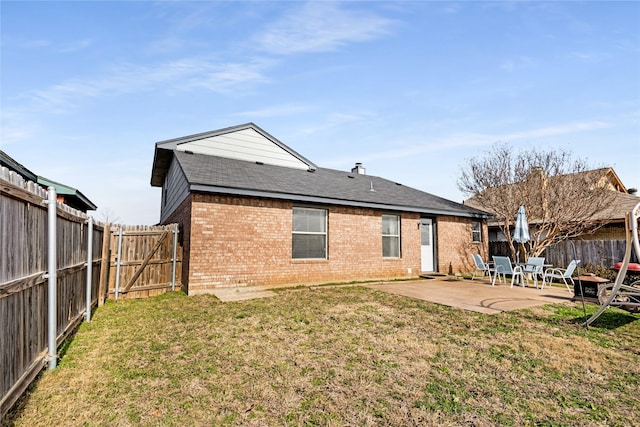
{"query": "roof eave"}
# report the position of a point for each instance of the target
(617, 179)
(161, 162)
(16, 166)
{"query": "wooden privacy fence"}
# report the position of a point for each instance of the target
(124, 262)
(597, 252)
(24, 314)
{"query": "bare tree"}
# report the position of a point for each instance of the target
(562, 195)
(108, 216)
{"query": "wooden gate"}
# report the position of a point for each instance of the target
(144, 261)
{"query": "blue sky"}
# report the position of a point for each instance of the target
(411, 89)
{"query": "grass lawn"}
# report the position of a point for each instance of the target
(336, 357)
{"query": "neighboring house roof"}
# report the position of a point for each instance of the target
(621, 202)
(72, 196)
(222, 175)
(620, 205)
(11, 164)
(605, 176)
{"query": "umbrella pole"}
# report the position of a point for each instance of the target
(524, 252)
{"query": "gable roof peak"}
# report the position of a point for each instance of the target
(249, 131)
(247, 142)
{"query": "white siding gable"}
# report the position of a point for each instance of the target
(244, 144)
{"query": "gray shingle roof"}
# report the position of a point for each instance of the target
(221, 175)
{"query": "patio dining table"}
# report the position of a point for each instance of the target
(530, 270)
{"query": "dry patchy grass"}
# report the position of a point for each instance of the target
(335, 357)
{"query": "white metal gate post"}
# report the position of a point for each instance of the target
(52, 277)
(118, 262)
(89, 266)
(175, 253)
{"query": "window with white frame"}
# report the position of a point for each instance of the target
(390, 236)
(309, 233)
(476, 231)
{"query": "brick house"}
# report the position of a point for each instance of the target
(252, 211)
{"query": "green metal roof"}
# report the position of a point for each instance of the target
(72, 196)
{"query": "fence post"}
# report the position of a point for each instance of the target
(89, 266)
(175, 254)
(105, 264)
(52, 277)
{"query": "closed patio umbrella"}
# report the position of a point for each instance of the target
(521, 233)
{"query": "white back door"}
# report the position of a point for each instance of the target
(426, 244)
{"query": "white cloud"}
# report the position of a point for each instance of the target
(179, 75)
(166, 45)
(517, 63)
(337, 120)
(450, 8)
(427, 144)
(68, 47)
(591, 57)
(582, 55)
(461, 140)
(34, 44)
(321, 27)
(19, 121)
(74, 46)
(277, 110)
(564, 129)
(14, 127)
(226, 78)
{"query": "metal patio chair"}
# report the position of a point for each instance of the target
(504, 267)
(534, 267)
(561, 273)
(481, 266)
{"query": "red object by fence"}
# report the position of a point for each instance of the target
(632, 266)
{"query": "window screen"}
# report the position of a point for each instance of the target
(476, 231)
(309, 233)
(390, 236)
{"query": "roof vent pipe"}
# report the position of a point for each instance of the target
(359, 169)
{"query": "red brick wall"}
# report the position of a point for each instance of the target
(455, 244)
(237, 241)
(240, 241)
(608, 232)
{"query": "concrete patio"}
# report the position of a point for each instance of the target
(477, 295)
